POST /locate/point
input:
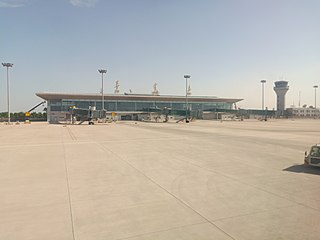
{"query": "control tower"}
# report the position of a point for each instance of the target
(281, 88)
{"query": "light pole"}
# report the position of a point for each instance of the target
(7, 65)
(186, 77)
(315, 96)
(102, 71)
(262, 83)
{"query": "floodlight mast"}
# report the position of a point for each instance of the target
(315, 96)
(8, 65)
(187, 77)
(102, 71)
(263, 83)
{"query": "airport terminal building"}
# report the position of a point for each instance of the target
(127, 105)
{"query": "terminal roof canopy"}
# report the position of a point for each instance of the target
(134, 97)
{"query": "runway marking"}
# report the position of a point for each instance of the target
(73, 137)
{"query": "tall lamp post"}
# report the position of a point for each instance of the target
(102, 71)
(315, 96)
(8, 65)
(186, 77)
(263, 83)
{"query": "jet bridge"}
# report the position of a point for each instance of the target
(90, 115)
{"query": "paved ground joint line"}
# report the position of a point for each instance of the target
(165, 230)
(266, 191)
(254, 213)
(68, 189)
(73, 137)
(250, 185)
(174, 196)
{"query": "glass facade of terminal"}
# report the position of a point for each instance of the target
(63, 105)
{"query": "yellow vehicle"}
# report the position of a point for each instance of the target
(313, 158)
(27, 114)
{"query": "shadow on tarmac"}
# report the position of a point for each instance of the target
(303, 169)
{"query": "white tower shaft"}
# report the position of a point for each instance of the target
(281, 88)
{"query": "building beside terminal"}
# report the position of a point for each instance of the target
(127, 106)
(303, 112)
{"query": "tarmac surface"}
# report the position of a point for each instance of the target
(140, 181)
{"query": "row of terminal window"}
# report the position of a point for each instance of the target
(133, 106)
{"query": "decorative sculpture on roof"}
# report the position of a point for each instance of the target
(155, 90)
(116, 90)
(189, 91)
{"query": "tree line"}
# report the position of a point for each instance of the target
(20, 116)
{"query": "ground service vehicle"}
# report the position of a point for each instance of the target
(313, 158)
(28, 113)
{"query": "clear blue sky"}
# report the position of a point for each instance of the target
(227, 46)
